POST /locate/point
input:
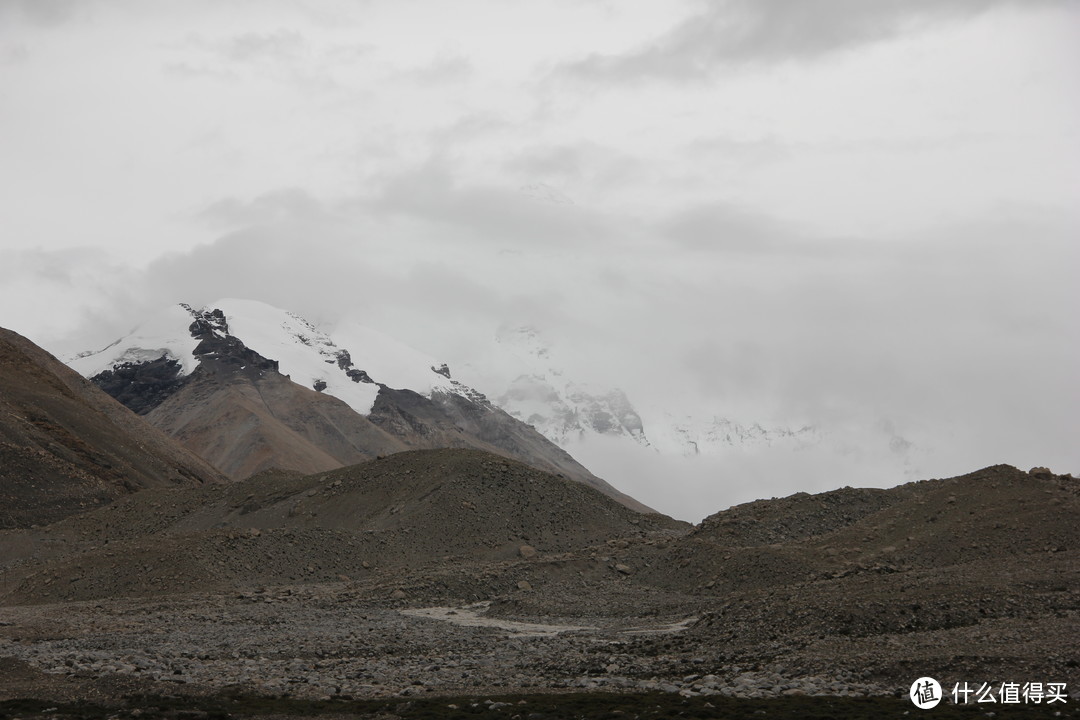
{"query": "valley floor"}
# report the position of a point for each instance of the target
(319, 642)
(337, 650)
(428, 584)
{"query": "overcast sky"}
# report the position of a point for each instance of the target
(793, 209)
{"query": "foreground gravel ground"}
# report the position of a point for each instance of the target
(318, 643)
(331, 651)
(728, 620)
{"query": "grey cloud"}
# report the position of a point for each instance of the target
(65, 300)
(304, 266)
(751, 32)
(479, 213)
(583, 163)
(278, 46)
(730, 150)
(940, 327)
(562, 161)
(287, 204)
(350, 53)
(64, 267)
(282, 55)
(473, 126)
(13, 53)
(324, 260)
(729, 228)
(45, 13)
(443, 69)
(197, 71)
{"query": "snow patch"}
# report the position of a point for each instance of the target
(391, 362)
(164, 334)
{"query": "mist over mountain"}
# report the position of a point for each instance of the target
(674, 456)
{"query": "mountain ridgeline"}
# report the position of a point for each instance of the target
(249, 387)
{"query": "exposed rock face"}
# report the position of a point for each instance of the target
(344, 361)
(66, 446)
(226, 349)
(142, 386)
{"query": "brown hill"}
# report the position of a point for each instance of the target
(65, 446)
(408, 510)
(247, 418)
(924, 575)
(993, 513)
(244, 421)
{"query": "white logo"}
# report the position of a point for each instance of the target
(925, 693)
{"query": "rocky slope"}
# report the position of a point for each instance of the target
(65, 446)
(249, 387)
(245, 420)
(995, 513)
(408, 510)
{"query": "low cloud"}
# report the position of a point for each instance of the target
(730, 228)
(66, 300)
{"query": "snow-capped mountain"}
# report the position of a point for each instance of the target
(248, 387)
(299, 350)
(568, 412)
(689, 435)
(564, 411)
